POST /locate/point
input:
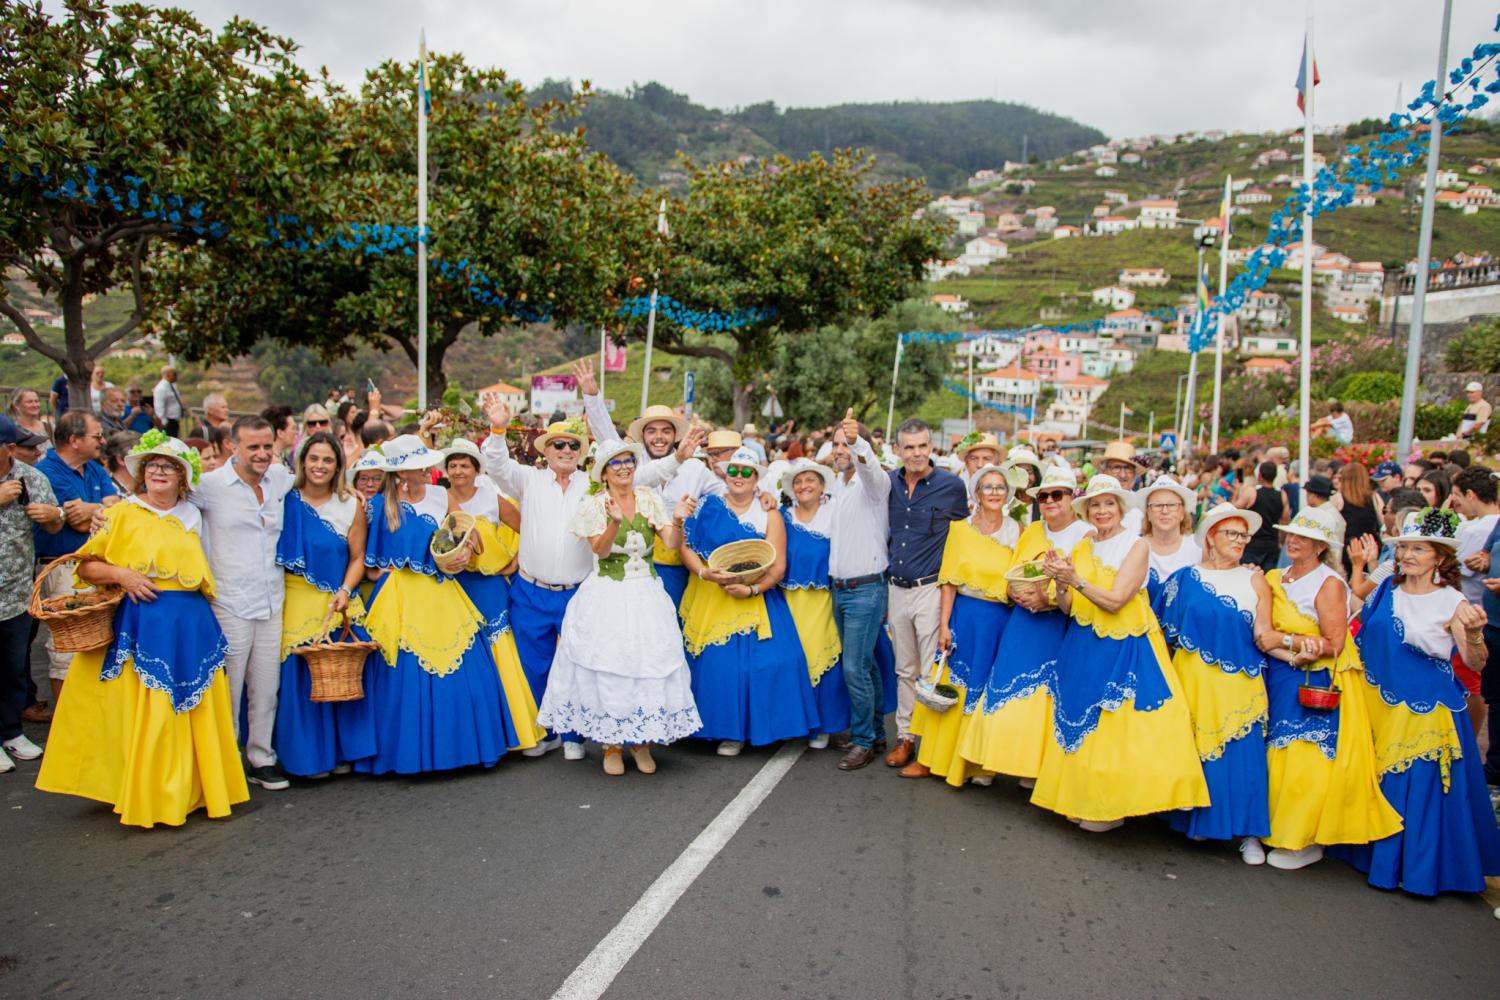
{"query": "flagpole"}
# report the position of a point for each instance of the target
(1304, 395)
(661, 228)
(422, 225)
(603, 358)
(1121, 435)
(1407, 425)
(890, 413)
(1213, 446)
(1186, 443)
(971, 387)
(1151, 429)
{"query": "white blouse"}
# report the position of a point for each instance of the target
(1424, 619)
(434, 503)
(1187, 554)
(1068, 538)
(338, 512)
(1303, 591)
(182, 510)
(1233, 583)
(822, 521)
(1113, 550)
(485, 502)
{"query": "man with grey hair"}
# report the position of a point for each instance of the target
(215, 414)
(112, 409)
(924, 500)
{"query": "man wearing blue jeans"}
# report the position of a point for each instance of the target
(1489, 679)
(856, 563)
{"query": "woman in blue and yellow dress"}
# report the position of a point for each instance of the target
(806, 588)
(1211, 613)
(497, 525)
(322, 549)
(1013, 720)
(1168, 530)
(974, 614)
(1122, 739)
(750, 677)
(437, 697)
(1324, 787)
(1429, 762)
(146, 724)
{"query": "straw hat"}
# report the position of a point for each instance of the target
(1171, 485)
(1321, 524)
(465, 447)
(574, 429)
(801, 465)
(745, 458)
(1226, 512)
(722, 439)
(372, 460)
(157, 442)
(613, 449)
(1119, 451)
(407, 453)
(1436, 527)
(657, 414)
(979, 440)
(1104, 486)
(750, 430)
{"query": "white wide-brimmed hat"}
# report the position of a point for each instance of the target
(1431, 525)
(745, 458)
(407, 453)
(985, 470)
(1321, 524)
(801, 465)
(655, 414)
(1054, 479)
(466, 448)
(1226, 512)
(1171, 485)
(1024, 456)
(614, 449)
(158, 442)
(373, 460)
(1104, 485)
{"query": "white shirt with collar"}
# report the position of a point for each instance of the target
(692, 478)
(860, 517)
(167, 401)
(240, 535)
(1472, 535)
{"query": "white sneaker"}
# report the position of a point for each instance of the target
(543, 747)
(1292, 860)
(982, 780)
(1252, 852)
(818, 742)
(1028, 783)
(6, 764)
(1100, 826)
(573, 751)
(730, 748)
(22, 749)
(343, 768)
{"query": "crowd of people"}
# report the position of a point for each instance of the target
(1293, 669)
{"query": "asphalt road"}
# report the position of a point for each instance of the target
(497, 884)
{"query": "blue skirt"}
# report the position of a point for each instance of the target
(1023, 658)
(674, 579)
(976, 627)
(491, 595)
(833, 700)
(885, 662)
(1450, 841)
(315, 737)
(1239, 790)
(756, 690)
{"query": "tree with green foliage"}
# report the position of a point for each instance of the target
(1475, 349)
(526, 224)
(128, 130)
(809, 240)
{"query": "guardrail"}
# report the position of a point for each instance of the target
(1445, 279)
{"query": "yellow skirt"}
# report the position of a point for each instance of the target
(812, 612)
(518, 696)
(1010, 739)
(942, 733)
(120, 742)
(1224, 705)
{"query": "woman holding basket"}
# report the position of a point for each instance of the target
(146, 725)
(750, 676)
(322, 550)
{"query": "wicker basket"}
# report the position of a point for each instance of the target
(1322, 699)
(935, 695)
(1016, 576)
(460, 525)
(89, 624)
(337, 667)
(751, 550)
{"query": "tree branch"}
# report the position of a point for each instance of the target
(698, 351)
(35, 342)
(112, 338)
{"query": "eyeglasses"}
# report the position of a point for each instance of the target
(993, 488)
(740, 472)
(1054, 496)
(164, 465)
(620, 463)
(319, 423)
(567, 444)
(1235, 536)
(1174, 505)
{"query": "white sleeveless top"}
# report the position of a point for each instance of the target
(754, 518)
(1113, 550)
(1065, 539)
(1187, 554)
(1233, 583)
(1007, 534)
(1303, 591)
(1424, 619)
(822, 521)
(485, 502)
(338, 512)
(434, 503)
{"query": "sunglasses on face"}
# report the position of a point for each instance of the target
(567, 445)
(736, 471)
(319, 423)
(1054, 496)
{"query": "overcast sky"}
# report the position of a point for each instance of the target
(1127, 67)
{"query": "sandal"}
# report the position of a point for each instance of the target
(614, 761)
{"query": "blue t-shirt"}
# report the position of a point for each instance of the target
(91, 485)
(1491, 600)
(60, 389)
(138, 420)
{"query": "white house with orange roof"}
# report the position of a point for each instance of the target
(514, 398)
(1009, 386)
(1147, 277)
(1066, 232)
(991, 352)
(1270, 343)
(1294, 254)
(1113, 225)
(1114, 296)
(937, 270)
(1262, 308)
(1348, 314)
(1253, 196)
(1159, 213)
(956, 304)
(982, 251)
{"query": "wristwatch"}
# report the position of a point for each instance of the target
(1286, 640)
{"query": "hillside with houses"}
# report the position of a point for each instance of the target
(1083, 267)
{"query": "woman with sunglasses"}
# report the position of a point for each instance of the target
(497, 526)
(1122, 738)
(322, 550)
(1168, 531)
(750, 676)
(1014, 717)
(619, 676)
(1211, 613)
(972, 617)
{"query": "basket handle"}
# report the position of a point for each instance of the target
(34, 605)
(326, 630)
(938, 665)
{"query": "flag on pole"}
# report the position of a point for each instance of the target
(1225, 213)
(1302, 87)
(422, 84)
(1126, 411)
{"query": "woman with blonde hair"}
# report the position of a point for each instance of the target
(1168, 531)
(26, 410)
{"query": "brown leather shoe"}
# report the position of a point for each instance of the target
(902, 755)
(37, 713)
(916, 769)
(856, 758)
(841, 741)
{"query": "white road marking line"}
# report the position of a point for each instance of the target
(597, 972)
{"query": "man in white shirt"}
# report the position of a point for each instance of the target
(241, 502)
(167, 402)
(1475, 496)
(552, 560)
(857, 561)
(1476, 419)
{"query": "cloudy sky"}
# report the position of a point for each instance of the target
(1125, 66)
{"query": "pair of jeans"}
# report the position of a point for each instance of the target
(859, 614)
(15, 667)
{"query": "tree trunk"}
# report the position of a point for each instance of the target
(741, 405)
(79, 368)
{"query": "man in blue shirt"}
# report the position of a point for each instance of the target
(1489, 678)
(924, 501)
(82, 486)
(60, 395)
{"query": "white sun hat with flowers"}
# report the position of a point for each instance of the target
(158, 442)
